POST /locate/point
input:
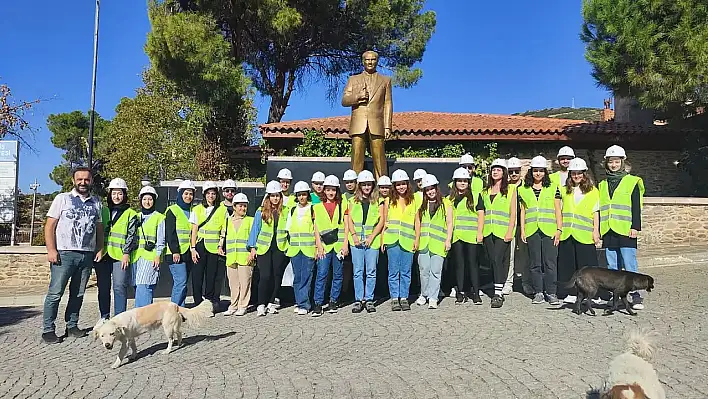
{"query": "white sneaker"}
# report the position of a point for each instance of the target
(453, 293)
(261, 310)
(229, 312)
(296, 309)
(272, 308)
(420, 301)
(507, 290)
(638, 306)
(277, 303)
(302, 312)
(599, 301)
(240, 312)
(570, 299)
(432, 304)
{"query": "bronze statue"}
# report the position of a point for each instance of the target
(369, 95)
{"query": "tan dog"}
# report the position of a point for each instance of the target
(631, 374)
(128, 325)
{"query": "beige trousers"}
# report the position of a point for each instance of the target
(240, 285)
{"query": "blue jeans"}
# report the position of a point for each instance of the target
(400, 262)
(104, 270)
(75, 266)
(143, 294)
(364, 259)
(302, 279)
(627, 257)
(430, 266)
(323, 272)
(180, 273)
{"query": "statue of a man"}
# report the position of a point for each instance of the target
(369, 95)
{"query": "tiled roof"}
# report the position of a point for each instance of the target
(461, 126)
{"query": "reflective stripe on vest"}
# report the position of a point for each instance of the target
(356, 213)
(465, 222)
(616, 211)
(209, 233)
(578, 219)
(325, 224)
(265, 236)
(118, 233)
(433, 232)
(236, 242)
(400, 226)
(496, 214)
(182, 227)
(148, 232)
(541, 212)
(302, 236)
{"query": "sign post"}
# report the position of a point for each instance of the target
(9, 157)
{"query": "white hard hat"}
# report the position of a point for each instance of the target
(461, 173)
(419, 174)
(539, 162)
(318, 177)
(399, 175)
(285, 174)
(615, 151)
(186, 185)
(513, 163)
(498, 162)
(577, 164)
(208, 185)
(349, 175)
(273, 187)
(566, 151)
(466, 159)
(118, 183)
(331, 181)
(228, 183)
(147, 190)
(384, 181)
(366, 177)
(240, 198)
(301, 186)
(430, 180)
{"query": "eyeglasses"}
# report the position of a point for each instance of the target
(514, 172)
(229, 190)
(469, 166)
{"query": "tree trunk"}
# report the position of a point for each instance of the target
(280, 97)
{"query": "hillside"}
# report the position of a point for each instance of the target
(588, 114)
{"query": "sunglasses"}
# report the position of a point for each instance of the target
(514, 172)
(229, 190)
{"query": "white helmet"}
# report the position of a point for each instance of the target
(318, 177)
(365, 177)
(513, 163)
(615, 151)
(399, 175)
(208, 185)
(577, 164)
(498, 162)
(285, 174)
(539, 162)
(384, 181)
(228, 183)
(566, 151)
(461, 173)
(118, 183)
(186, 185)
(301, 186)
(430, 180)
(419, 174)
(273, 187)
(147, 190)
(331, 181)
(240, 198)
(349, 175)
(466, 159)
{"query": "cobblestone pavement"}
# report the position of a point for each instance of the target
(521, 350)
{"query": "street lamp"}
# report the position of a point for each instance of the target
(145, 181)
(93, 87)
(34, 186)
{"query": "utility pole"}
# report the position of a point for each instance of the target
(34, 186)
(93, 87)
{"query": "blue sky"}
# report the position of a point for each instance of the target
(488, 57)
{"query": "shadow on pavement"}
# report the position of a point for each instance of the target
(185, 342)
(10, 315)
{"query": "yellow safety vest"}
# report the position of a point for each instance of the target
(465, 224)
(433, 231)
(182, 227)
(497, 213)
(400, 226)
(236, 242)
(210, 232)
(541, 212)
(616, 211)
(118, 233)
(325, 224)
(265, 236)
(578, 219)
(148, 231)
(356, 213)
(556, 177)
(302, 236)
(418, 199)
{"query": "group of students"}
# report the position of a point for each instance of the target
(561, 217)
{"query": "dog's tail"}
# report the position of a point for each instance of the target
(195, 316)
(571, 283)
(641, 344)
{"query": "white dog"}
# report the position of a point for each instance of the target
(128, 325)
(631, 374)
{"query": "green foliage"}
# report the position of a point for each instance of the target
(314, 144)
(653, 50)
(289, 43)
(586, 114)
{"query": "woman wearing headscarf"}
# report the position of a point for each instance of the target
(151, 244)
(177, 234)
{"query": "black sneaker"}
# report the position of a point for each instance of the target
(317, 311)
(395, 305)
(497, 301)
(76, 332)
(332, 307)
(370, 308)
(460, 298)
(405, 305)
(357, 308)
(476, 299)
(51, 338)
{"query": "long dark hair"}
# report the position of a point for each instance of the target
(394, 196)
(454, 195)
(424, 205)
(217, 200)
(337, 195)
(585, 186)
(504, 187)
(528, 180)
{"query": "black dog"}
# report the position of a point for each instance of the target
(589, 280)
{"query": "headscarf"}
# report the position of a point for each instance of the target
(180, 201)
(614, 178)
(118, 207)
(147, 211)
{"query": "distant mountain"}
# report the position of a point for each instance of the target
(588, 114)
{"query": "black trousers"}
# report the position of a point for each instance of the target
(543, 263)
(208, 274)
(573, 256)
(271, 266)
(498, 254)
(464, 256)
